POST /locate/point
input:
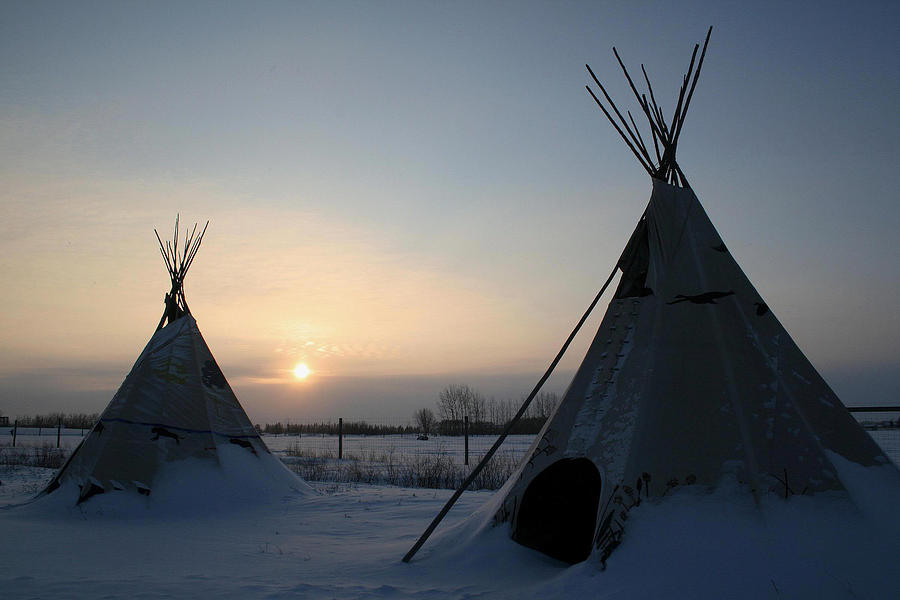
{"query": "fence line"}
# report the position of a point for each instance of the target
(884, 409)
(406, 458)
(885, 431)
(22, 435)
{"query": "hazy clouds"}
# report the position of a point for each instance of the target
(405, 195)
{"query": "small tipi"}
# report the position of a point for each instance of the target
(174, 407)
(689, 379)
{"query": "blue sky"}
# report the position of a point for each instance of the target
(406, 195)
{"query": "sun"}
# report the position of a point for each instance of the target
(301, 371)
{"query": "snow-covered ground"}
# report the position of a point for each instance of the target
(360, 445)
(889, 440)
(32, 436)
(398, 445)
(376, 446)
(346, 541)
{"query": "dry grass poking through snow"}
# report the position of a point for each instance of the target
(45, 455)
(437, 471)
(377, 466)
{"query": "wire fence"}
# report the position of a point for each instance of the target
(47, 447)
(460, 448)
(392, 452)
(883, 424)
(407, 458)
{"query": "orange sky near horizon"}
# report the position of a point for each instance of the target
(404, 196)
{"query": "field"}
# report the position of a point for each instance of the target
(345, 540)
(397, 459)
(406, 445)
(401, 460)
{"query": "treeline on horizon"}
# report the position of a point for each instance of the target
(331, 428)
(526, 425)
(486, 416)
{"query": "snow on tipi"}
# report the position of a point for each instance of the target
(690, 379)
(174, 416)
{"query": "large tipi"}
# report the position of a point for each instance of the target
(690, 379)
(175, 409)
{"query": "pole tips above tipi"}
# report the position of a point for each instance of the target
(178, 261)
(664, 134)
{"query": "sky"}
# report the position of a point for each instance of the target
(404, 195)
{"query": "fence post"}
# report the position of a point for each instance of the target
(340, 438)
(58, 431)
(466, 434)
(15, 430)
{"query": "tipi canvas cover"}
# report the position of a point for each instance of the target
(175, 409)
(690, 380)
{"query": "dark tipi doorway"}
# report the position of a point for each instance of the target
(558, 514)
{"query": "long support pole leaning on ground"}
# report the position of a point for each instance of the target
(490, 453)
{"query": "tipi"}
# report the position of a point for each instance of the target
(174, 407)
(689, 379)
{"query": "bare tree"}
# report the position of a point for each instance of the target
(456, 401)
(452, 400)
(425, 419)
(477, 408)
(544, 404)
(501, 411)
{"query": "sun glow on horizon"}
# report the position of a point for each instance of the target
(301, 371)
